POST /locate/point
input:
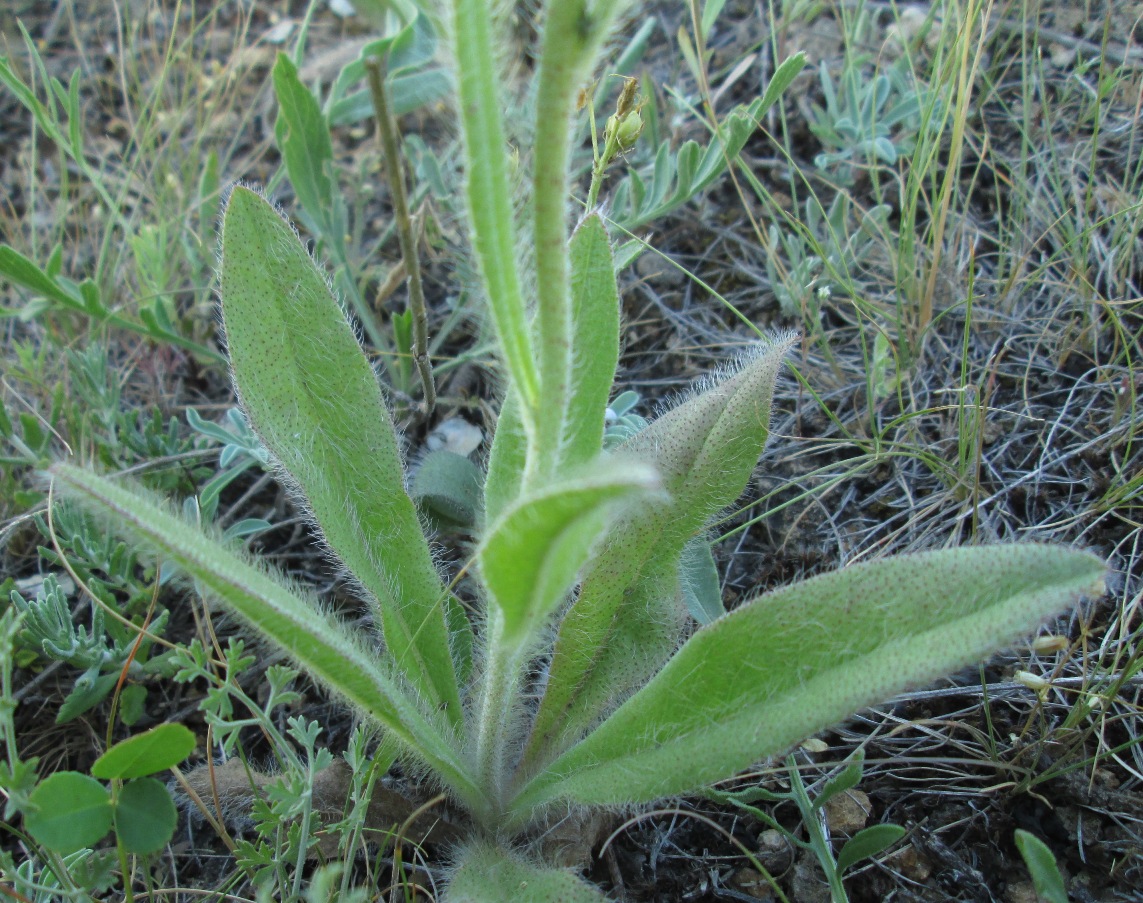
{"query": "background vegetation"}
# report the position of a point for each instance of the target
(947, 205)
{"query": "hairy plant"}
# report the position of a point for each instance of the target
(581, 682)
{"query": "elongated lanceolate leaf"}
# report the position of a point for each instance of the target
(595, 340)
(507, 459)
(490, 195)
(491, 875)
(532, 554)
(304, 138)
(313, 399)
(799, 659)
(705, 450)
(325, 649)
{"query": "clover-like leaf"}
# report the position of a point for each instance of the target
(145, 816)
(69, 811)
(154, 750)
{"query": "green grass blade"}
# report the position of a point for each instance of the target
(313, 399)
(799, 659)
(595, 333)
(325, 649)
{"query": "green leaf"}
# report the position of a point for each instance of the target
(626, 620)
(595, 333)
(328, 651)
(132, 701)
(532, 554)
(71, 811)
(145, 816)
(447, 485)
(803, 657)
(488, 874)
(1046, 877)
(313, 399)
(304, 140)
(710, 12)
(867, 843)
(572, 33)
(632, 207)
(699, 583)
(789, 69)
(153, 750)
(86, 696)
(844, 780)
(22, 271)
(490, 195)
(507, 459)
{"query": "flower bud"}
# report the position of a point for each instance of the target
(626, 130)
(1031, 681)
(1046, 645)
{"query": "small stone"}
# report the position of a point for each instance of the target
(775, 851)
(456, 435)
(808, 884)
(1021, 892)
(753, 883)
(910, 863)
(280, 32)
(848, 812)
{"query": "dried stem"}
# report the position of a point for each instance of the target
(387, 130)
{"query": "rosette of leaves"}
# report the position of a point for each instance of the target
(579, 556)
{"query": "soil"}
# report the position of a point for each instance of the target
(961, 765)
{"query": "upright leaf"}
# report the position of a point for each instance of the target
(313, 399)
(304, 140)
(507, 459)
(572, 32)
(490, 196)
(626, 620)
(799, 659)
(595, 338)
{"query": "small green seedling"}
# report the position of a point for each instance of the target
(69, 811)
(865, 844)
(1041, 863)
(582, 681)
(101, 652)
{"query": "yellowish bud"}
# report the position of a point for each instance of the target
(1031, 681)
(1046, 645)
